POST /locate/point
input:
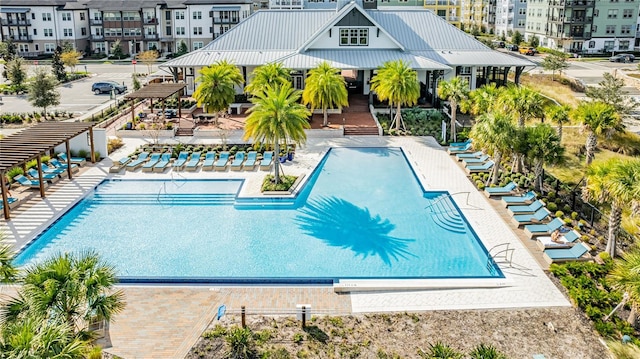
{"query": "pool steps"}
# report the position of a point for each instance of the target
(446, 215)
(171, 199)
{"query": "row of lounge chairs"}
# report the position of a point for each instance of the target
(157, 162)
(474, 162)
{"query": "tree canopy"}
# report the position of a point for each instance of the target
(42, 90)
(325, 88)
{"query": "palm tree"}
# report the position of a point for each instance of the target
(598, 118)
(542, 147)
(217, 86)
(523, 102)
(8, 272)
(455, 91)
(397, 83)
(70, 289)
(325, 88)
(495, 133)
(616, 182)
(560, 115)
(626, 278)
(276, 116)
(37, 338)
(272, 74)
(482, 100)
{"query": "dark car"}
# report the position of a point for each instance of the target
(622, 58)
(512, 47)
(107, 87)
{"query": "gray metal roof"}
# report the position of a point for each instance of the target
(474, 58)
(246, 58)
(4, 3)
(358, 59)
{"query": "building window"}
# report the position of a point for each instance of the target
(179, 15)
(152, 45)
(611, 29)
(354, 37)
(133, 31)
(623, 45)
(112, 16)
(67, 32)
(612, 14)
(23, 47)
(167, 31)
(81, 16)
(522, 11)
(114, 31)
(46, 16)
(625, 29)
(83, 31)
(35, 32)
(180, 30)
(49, 47)
(48, 32)
(37, 47)
(197, 45)
(627, 13)
(197, 30)
(592, 44)
(130, 16)
(539, 12)
(608, 45)
(66, 16)
(521, 22)
(100, 47)
(197, 15)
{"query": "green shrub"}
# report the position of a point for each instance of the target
(240, 342)
(440, 350)
(574, 215)
(83, 153)
(559, 214)
(14, 172)
(551, 195)
(551, 206)
(217, 332)
(566, 208)
(114, 144)
(298, 337)
(485, 351)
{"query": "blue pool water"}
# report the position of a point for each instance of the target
(362, 214)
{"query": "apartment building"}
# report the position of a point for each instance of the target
(511, 16)
(472, 14)
(38, 27)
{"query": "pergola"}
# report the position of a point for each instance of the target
(31, 143)
(158, 91)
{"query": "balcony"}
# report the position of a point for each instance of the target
(22, 38)
(577, 3)
(14, 22)
(150, 21)
(97, 37)
(151, 36)
(222, 20)
(95, 22)
(30, 54)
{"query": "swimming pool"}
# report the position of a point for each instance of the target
(362, 214)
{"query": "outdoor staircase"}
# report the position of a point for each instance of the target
(184, 131)
(359, 107)
(360, 131)
(446, 215)
(169, 199)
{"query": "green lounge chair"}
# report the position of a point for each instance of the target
(539, 216)
(76, 160)
(181, 161)
(27, 182)
(579, 252)
(209, 160)
(485, 167)
(138, 162)
(49, 177)
(163, 164)
(534, 230)
(153, 160)
(194, 160)
(567, 239)
(475, 160)
(532, 208)
(250, 163)
(501, 191)
(221, 163)
(267, 161)
(525, 199)
(119, 165)
(460, 156)
(238, 160)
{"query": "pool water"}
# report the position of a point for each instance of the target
(362, 214)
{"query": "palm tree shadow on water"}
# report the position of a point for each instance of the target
(340, 223)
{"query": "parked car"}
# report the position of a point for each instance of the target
(107, 86)
(512, 47)
(528, 50)
(498, 43)
(622, 58)
(170, 113)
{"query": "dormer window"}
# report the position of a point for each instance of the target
(354, 37)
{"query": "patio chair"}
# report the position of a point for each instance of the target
(153, 160)
(24, 181)
(250, 163)
(267, 161)
(460, 144)
(460, 156)
(454, 150)
(579, 252)
(535, 230)
(13, 203)
(221, 163)
(194, 160)
(57, 164)
(566, 240)
(539, 216)
(238, 161)
(163, 164)
(49, 177)
(531, 208)
(209, 160)
(77, 160)
(181, 161)
(525, 199)
(119, 165)
(485, 167)
(475, 160)
(508, 189)
(54, 170)
(138, 162)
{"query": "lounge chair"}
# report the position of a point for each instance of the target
(138, 162)
(532, 208)
(539, 216)
(485, 167)
(77, 160)
(460, 156)
(119, 165)
(13, 202)
(194, 160)
(460, 144)
(267, 161)
(54, 170)
(181, 161)
(49, 177)
(476, 160)
(163, 164)
(501, 191)
(238, 160)
(57, 164)
(534, 230)
(27, 182)
(250, 163)
(579, 252)
(221, 163)
(209, 160)
(525, 199)
(454, 150)
(153, 160)
(566, 240)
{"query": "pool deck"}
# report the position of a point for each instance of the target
(165, 321)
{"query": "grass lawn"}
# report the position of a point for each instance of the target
(554, 89)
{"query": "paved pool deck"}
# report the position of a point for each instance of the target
(165, 321)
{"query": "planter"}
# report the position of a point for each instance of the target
(282, 159)
(290, 156)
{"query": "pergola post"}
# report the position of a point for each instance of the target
(133, 115)
(151, 106)
(179, 107)
(5, 199)
(68, 150)
(41, 179)
(93, 149)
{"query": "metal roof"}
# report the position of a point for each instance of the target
(244, 58)
(358, 59)
(30, 143)
(160, 90)
(474, 58)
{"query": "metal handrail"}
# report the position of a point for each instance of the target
(449, 196)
